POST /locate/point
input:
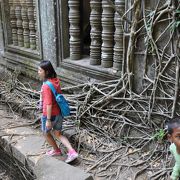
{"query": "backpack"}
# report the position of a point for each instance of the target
(61, 101)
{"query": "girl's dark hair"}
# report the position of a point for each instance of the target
(173, 123)
(48, 68)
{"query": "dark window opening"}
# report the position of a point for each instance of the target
(85, 26)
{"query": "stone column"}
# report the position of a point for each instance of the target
(107, 35)
(118, 36)
(74, 29)
(13, 23)
(95, 21)
(31, 24)
(19, 23)
(25, 24)
(36, 27)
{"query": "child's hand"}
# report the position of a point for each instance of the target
(48, 124)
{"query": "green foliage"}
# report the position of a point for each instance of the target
(176, 23)
(77, 123)
(159, 135)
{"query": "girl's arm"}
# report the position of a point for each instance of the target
(40, 102)
(48, 122)
(49, 110)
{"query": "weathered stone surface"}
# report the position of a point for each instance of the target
(1, 36)
(27, 146)
(47, 18)
(49, 168)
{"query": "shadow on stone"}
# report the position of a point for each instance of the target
(11, 169)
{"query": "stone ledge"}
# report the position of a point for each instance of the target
(25, 144)
(49, 168)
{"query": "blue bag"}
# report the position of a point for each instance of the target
(61, 101)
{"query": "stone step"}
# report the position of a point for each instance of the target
(49, 168)
(25, 144)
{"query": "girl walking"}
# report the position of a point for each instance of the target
(52, 118)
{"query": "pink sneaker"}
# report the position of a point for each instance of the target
(72, 155)
(53, 152)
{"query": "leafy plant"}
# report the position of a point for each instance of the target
(176, 23)
(159, 135)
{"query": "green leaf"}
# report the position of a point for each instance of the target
(177, 24)
(159, 135)
(177, 11)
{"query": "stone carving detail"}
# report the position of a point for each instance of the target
(23, 23)
(13, 23)
(31, 24)
(19, 23)
(74, 30)
(118, 36)
(107, 35)
(37, 33)
(95, 21)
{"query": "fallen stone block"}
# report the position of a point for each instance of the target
(49, 168)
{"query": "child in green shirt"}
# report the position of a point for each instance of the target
(173, 127)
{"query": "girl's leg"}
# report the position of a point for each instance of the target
(64, 140)
(51, 140)
(72, 154)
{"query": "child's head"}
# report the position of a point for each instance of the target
(46, 70)
(173, 127)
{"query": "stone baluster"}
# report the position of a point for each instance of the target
(13, 21)
(31, 24)
(36, 28)
(10, 3)
(19, 23)
(34, 4)
(107, 35)
(25, 24)
(118, 36)
(74, 30)
(95, 21)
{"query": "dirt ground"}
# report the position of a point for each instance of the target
(104, 158)
(9, 171)
(87, 159)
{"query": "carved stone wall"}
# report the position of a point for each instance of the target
(74, 21)
(22, 35)
(118, 36)
(106, 48)
(95, 21)
(1, 36)
(23, 24)
(31, 33)
(22, 27)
